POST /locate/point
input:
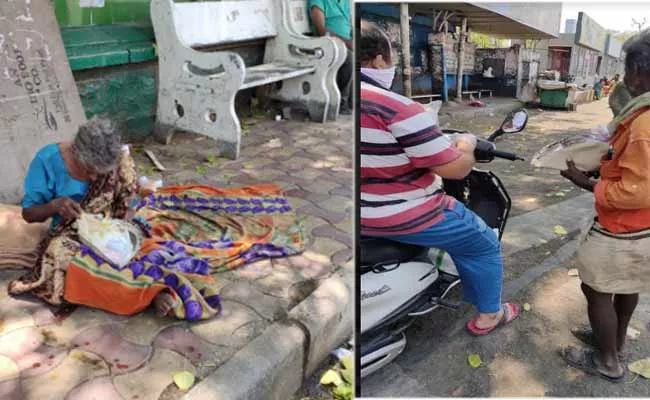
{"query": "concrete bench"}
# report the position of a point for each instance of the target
(481, 91)
(468, 93)
(197, 89)
(426, 96)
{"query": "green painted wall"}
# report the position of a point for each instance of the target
(69, 14)
(126, 94)
(108, 56)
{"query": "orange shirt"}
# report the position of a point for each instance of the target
(623, 194)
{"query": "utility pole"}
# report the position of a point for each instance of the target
(405, 26)
(461, 56)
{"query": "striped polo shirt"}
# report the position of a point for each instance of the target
(400, 142)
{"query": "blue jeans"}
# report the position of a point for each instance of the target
(474, 248)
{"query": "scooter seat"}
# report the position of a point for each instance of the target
(378, 252)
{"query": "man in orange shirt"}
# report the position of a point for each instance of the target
(614, 256)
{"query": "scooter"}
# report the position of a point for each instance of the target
(400, 282)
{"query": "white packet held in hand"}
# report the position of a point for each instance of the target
(586, 150)
(114, 240)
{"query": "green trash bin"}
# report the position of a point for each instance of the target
(555, 98)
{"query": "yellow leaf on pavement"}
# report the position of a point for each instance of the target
(474, 360)
(641, 367)
(526, 307)
(559, 229)
(184, 380)
(331, 377)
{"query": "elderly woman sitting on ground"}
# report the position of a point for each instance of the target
(613, 256)
(94, 173)
(189, 231)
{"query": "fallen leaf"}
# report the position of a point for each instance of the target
(573, 272)
(641, 367)
(184, 380)
(632, 333)
(474, 360)
(343, 392)
(526, 307)
(331, 377)
(559, 229)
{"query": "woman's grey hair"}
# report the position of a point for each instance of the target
(373, 42)
(637, 53)
(98, 145)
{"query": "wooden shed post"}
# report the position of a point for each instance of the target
(406, 48)
(461, 56)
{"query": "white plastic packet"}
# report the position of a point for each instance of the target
(434, 108)
(586, 150)
(114, 240)
(149, 185)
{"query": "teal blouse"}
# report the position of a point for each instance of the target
(48, 178)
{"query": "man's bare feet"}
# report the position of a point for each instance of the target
(164, 302)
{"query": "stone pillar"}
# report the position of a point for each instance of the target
(461, 56)
(406, 48)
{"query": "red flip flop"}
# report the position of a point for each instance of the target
(510, 313)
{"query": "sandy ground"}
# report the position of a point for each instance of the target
(521, 360)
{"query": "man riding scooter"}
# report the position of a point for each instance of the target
(404, 156)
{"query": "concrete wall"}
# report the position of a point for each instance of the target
(614, 47)
(528, 67)
(545, 17)
(612, 66)
(589, 34)
(584, 60)
(584, 63)
(542, 50)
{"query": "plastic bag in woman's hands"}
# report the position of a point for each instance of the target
(114, 240)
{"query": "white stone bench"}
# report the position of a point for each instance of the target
(197, 89)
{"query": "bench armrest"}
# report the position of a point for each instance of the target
(206, 64)
(313, 48)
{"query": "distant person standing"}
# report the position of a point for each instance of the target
(332, 18)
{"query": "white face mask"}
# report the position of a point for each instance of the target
(384, 77)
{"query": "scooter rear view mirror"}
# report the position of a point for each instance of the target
(515, 121)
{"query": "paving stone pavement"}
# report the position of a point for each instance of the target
(92, 354)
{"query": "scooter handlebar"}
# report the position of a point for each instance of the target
(506, 155)
(486, 151)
